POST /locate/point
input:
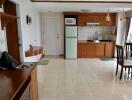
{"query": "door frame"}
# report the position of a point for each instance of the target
(19, 31)
(20, 34)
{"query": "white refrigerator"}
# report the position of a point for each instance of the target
(71, 42)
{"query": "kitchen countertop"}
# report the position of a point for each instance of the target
(85, 41)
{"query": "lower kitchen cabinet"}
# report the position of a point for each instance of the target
(86, 50)
(79, 50)
(109, 49)
(95, 50)
(100, 50)
(90, 50)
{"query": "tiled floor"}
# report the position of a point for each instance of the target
(82, 79)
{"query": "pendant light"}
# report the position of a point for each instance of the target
(108, 18)
(123, 16)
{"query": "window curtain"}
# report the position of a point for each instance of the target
(128, 21)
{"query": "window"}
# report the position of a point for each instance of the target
(129, 38)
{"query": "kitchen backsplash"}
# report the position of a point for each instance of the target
(88, 32)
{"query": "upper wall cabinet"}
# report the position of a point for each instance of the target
(84, 18)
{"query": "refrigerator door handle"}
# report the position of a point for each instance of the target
(71, 37)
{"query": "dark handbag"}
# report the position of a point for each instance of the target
(7, 61)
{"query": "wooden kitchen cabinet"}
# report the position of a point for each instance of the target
(95, 50)
(83, 18)
(79, 50)
(80, 47)
(100, 49)
(90, 50)
(109, 49)
(86, 50)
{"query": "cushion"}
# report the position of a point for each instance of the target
(7, 61)
(128, 62)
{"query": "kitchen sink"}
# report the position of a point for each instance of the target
(100, 40)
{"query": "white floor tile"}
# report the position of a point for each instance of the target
(81, 79)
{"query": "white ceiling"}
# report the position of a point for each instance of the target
(81, 7)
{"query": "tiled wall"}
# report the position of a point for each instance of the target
(87, 32)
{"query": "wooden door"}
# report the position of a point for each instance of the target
(12, 31)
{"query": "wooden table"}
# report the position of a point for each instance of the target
(14, 82)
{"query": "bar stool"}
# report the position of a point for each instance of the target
(128, 50)
(120, 60)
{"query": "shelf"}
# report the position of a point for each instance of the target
(5, 15)
(6, 18)
(35, 51)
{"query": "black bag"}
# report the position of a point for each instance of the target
(7, 61)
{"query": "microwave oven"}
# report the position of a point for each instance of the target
(70, 21)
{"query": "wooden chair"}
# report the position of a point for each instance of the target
(128, 50)
(120, 60)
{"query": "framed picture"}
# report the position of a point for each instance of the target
(29, 19)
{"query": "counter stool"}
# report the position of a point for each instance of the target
(120, 60)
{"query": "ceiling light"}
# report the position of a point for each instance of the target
(108, 18)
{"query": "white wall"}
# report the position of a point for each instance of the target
(29, 34)
(121, 30)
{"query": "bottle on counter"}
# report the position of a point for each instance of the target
(96, 37)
